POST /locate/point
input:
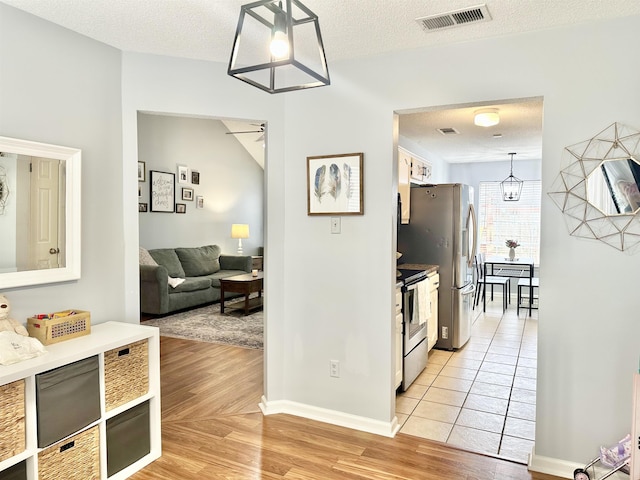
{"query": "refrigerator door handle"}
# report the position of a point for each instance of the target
(468, 290)
(472, 228)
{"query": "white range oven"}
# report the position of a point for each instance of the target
(414, 333)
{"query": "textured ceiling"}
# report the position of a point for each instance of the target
(204, 29)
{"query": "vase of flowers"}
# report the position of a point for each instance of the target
(512, 244)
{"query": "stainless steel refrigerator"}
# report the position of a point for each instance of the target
(442, 231)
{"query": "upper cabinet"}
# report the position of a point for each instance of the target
(404, 174)
(411, 169)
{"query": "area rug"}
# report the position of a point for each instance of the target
(207, 324)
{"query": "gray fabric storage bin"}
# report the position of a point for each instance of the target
(128, 438)
(67, 400)
(16, 472)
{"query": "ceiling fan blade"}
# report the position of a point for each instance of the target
(246, 131)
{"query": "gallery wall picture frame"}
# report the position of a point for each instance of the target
(334, 184)
(143, 207)
(199, 201)
(183, 174)
(142, 172)
(195, 177)
(187, 194)
(181, 208)
(162, 189)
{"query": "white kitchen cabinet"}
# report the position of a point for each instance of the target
(411, 169)
(103, 339)
(432, 326)
(399, 326)
(404, 185)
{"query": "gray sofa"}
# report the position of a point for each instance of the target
(195, 272)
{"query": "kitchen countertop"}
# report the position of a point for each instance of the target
(420, 266)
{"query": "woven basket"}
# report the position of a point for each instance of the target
(75, 458)
(12, 439)
(126, 374)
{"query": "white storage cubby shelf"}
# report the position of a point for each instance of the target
(103, 337)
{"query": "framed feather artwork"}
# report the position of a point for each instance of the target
(334, 184)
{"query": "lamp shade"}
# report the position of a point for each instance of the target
(487, 117)
(239, 230)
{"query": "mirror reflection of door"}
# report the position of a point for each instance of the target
(44, 244)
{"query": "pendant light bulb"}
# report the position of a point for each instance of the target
(279, 46)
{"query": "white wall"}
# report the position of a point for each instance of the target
(331, 296)
(231, 183)
(62, 88)
(585, 364)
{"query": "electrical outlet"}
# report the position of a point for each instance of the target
(334, 368)
(445, 333)
(335, 224)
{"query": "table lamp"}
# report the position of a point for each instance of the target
(239, 231)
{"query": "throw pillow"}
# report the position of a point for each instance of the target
(146, 258)
(174, 282)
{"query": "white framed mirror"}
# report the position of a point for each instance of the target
(40, 210)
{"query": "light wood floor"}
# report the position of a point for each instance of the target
(213, 429)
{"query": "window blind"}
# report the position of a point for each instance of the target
(499, 221)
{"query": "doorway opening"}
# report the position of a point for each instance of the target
(482, 396)
(215, 180)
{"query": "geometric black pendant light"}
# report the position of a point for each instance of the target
(511, 187)
(278, 47)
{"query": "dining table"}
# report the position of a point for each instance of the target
(521, 267)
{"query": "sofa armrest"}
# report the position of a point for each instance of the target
(154, 293)
(235, 262)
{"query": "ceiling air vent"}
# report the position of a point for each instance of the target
(448, 131)
(454, 18)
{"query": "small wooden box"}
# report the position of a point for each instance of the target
(12, 426)
(54, 330)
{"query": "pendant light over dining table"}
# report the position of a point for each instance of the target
(278, 47)
(511, 187)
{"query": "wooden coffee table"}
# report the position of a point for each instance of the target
(245, 284)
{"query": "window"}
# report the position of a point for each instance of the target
(499, 221)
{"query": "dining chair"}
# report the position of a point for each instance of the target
(483, 280)
(523, 293)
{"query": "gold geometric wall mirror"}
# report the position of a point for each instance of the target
(598, 190)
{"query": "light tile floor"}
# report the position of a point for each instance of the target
(481, 397)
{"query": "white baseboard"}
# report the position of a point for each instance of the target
(552, 466)
(386, 429)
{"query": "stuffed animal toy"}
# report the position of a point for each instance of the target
(9, 324)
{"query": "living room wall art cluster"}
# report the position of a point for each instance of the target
(162, 189)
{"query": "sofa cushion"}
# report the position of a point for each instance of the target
(215, 278)
(191, 284)
(168, 258)
(200, 260)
